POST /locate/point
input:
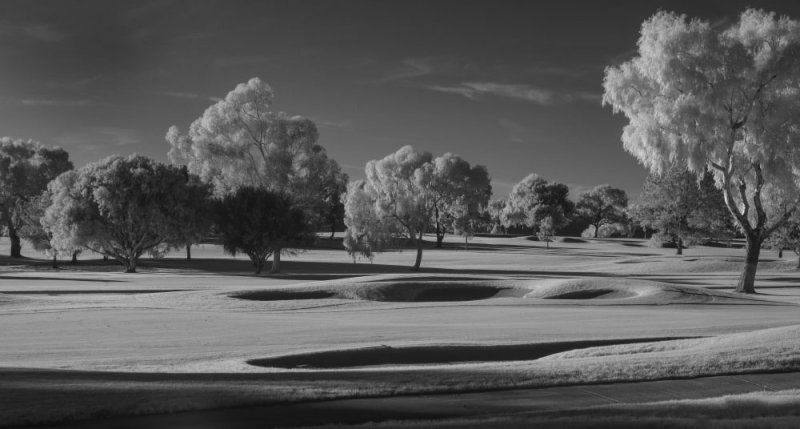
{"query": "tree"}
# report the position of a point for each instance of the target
(533, 200)
(28, 216)
(602, 205)
(121, 207)
(240, 141)
(455, 188)
(495, 210)
(25, 169)
(260, 223)
(546, 230)
(672, 204)
(726, 99)
(365, 233)
(410, 192)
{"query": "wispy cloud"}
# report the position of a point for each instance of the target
(178, 94)
(334, 124)
(410, 68)
(100, 137)
(515, 132)
(38, 102)
(542, 96)
(222, 62)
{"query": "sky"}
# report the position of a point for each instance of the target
(512, 85)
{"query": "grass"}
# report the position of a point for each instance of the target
(72, 350)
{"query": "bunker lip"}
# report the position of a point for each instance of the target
(89, 291)
(436, 354)
(592, 294)
(284, 295)
(387, 291)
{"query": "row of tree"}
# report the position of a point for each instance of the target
(256, 177)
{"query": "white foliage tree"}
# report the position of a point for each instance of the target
(723, 98)
(241, 141)
(408, 192)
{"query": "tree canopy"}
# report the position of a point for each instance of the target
(535, 203)
(680, 207)
(259, 223)
(121, 207)
(722, 98)
(409, 192)
(602, 205)
(241, 141)
(26, 167)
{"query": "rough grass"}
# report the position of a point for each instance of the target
(766, 409)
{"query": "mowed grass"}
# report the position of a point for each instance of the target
(181, 337)
(778, 409)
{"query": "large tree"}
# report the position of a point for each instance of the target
(259, 223)
(722, 98)
(602, 205)
(536, 203)
(241, 141)
(25, 169)
(121, 207)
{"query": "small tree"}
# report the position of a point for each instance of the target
(366, 234)
(533, 199)
(602, 205)
(29, 214)
(495, 210)
(259, 223)
(672, 203)
(121, 207)
(546, 230)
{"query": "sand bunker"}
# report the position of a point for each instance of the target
(434, 354)
(581, 291)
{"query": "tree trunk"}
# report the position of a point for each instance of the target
(75, 257)
(439, 232)
(333, 229)
(596, 229)
(55, 261)
(130, 266)
(780, 253)
(259, 264)
(466, 242)
(747, 279)
(419, 253)
(680, 246)
(188, 252)
(16, 243)
(276, 262)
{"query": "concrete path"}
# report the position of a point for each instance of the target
(360, 411)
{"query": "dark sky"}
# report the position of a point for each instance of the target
(513, 85)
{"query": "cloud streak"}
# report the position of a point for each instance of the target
(41, 102)
(99, 137)
(410, 69)
(541, 96)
